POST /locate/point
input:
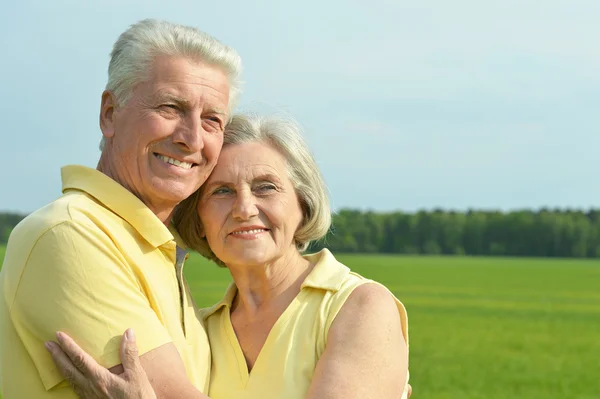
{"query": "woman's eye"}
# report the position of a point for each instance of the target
(221, 191)
(266, 187)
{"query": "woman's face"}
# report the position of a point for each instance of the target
(248, 206)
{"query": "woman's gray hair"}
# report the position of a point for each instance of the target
(133, 52)
(284, 135)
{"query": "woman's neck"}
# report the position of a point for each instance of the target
(260, 287)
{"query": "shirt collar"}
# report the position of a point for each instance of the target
(328, 274)
(227, 301)
(118, 199)
(178, 240)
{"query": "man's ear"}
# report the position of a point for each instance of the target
(107, 111)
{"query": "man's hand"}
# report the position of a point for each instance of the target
(91, 380)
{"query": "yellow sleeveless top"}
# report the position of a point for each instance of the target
(284, 368)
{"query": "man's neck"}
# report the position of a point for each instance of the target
(164, 212)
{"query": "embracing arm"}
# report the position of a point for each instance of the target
(366, 355)
(157, 374)
(166, 374)
(78, 282)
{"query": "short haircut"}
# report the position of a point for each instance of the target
(284, 135)
(135, 49)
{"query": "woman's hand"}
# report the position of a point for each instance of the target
(91, 380)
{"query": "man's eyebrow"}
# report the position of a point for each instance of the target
(173, 98)
(216, 111)
(185, 102)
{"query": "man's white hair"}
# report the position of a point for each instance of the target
(135, 49)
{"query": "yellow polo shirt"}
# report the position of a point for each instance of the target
(287, 361)
(92, 263)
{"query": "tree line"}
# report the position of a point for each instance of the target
(543, 233)
(7, 222)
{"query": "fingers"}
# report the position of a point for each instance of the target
(134, 373)
(65, 365)
(86, 376)
(80, 359)
(129, 352)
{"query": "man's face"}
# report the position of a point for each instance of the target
(164, 142)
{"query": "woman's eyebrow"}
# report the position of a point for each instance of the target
(267, 177)
(217, 183)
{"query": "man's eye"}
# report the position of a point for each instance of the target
(213, 123)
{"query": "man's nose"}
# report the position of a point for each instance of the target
(190, 133)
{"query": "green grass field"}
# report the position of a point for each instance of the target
(482, 327)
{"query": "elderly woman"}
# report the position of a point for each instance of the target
(291, 325)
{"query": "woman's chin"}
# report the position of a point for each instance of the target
(249, 258)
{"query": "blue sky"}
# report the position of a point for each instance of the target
(406, 105)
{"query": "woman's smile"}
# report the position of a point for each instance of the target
(249, 233)
(248, 207)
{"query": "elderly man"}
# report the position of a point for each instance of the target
(102, 258)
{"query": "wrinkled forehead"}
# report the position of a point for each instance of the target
(247, 161)
(186, 80)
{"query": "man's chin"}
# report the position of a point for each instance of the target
(176, 197)
(175, 191)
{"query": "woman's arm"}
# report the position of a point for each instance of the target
(130, 380)
(366, 355)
